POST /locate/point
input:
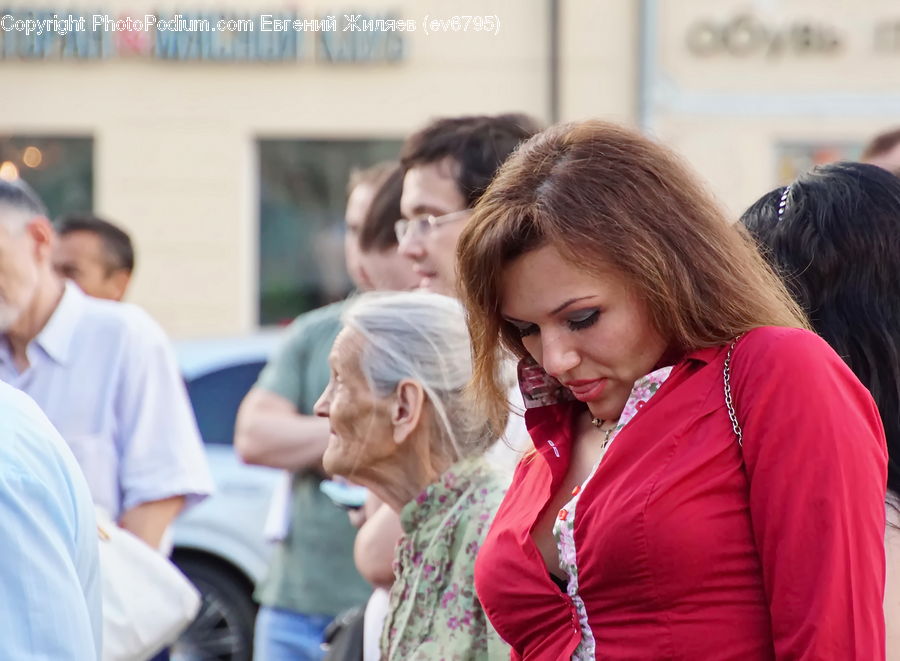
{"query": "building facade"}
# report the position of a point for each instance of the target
(221, 135)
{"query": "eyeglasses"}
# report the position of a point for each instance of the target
(424, 224)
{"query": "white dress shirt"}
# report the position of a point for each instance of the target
(49, 575)
(105, 374)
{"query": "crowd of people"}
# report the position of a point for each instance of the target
(596, 417)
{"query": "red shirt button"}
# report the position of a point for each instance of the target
(563, 515)
(576, 490)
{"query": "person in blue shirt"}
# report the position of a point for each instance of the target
(49, 576)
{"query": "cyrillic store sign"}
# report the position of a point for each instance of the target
(746, 35)
(204, 36)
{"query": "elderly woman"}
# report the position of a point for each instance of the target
(401, 426)
(708, 480)
(834, 235)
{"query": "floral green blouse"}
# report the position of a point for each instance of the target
(434, 612)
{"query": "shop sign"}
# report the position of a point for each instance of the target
(746, 35)
(204, 36)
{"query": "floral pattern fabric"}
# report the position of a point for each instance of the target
(434, 613)
(564, 528)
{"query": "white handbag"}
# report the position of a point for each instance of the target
(147, 601)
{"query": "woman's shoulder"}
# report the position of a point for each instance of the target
(781, 340)
(777, 350)
(480, 500)
(795, 367)
(487, 486)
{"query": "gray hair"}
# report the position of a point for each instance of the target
(422, 337)
(17, 196)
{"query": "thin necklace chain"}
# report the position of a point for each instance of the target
(598, 423)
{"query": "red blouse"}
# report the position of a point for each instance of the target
(690, 548)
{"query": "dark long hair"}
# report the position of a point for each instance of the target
(837, 245)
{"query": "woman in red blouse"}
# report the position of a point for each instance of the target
(641, 528)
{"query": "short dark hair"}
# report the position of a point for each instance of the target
(377, 231)
(20, 196)
(370, 176)
(881, 144)
(116, 242)
(479, 144)
(837, 246)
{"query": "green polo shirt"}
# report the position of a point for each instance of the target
(312, 570)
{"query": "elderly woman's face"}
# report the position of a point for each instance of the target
(591, 333)
(361, 430)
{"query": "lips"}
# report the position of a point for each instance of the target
(586, 390)
(423, 273)
(427, 277)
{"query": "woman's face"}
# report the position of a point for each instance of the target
(361, 430)
(589, 332)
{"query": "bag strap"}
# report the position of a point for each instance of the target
(729, 401)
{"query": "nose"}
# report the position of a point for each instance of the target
(322, 406)
(411, 246)
(558, 357)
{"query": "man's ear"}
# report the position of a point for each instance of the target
(41, 232)
(118, 281)
(406, 410)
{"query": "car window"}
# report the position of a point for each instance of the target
(216, 396)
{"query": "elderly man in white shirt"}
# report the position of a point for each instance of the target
(104, 374)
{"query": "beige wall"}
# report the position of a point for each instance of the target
(598, 60)
(175, 142)
(728, 113)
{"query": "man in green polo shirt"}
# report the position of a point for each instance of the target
(312, 577)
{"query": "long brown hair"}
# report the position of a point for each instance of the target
(604, 195)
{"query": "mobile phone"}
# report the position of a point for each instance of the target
(346, 495)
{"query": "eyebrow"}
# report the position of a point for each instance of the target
(426, 209)
(557, 310)
(568, 303)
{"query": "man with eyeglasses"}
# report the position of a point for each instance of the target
(448, 165)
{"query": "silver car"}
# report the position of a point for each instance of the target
(219, 544)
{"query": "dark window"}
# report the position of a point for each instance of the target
(216, 396)
(302, 190)
(61, 170)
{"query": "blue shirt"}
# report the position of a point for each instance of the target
(49, 575)
(106, 376)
